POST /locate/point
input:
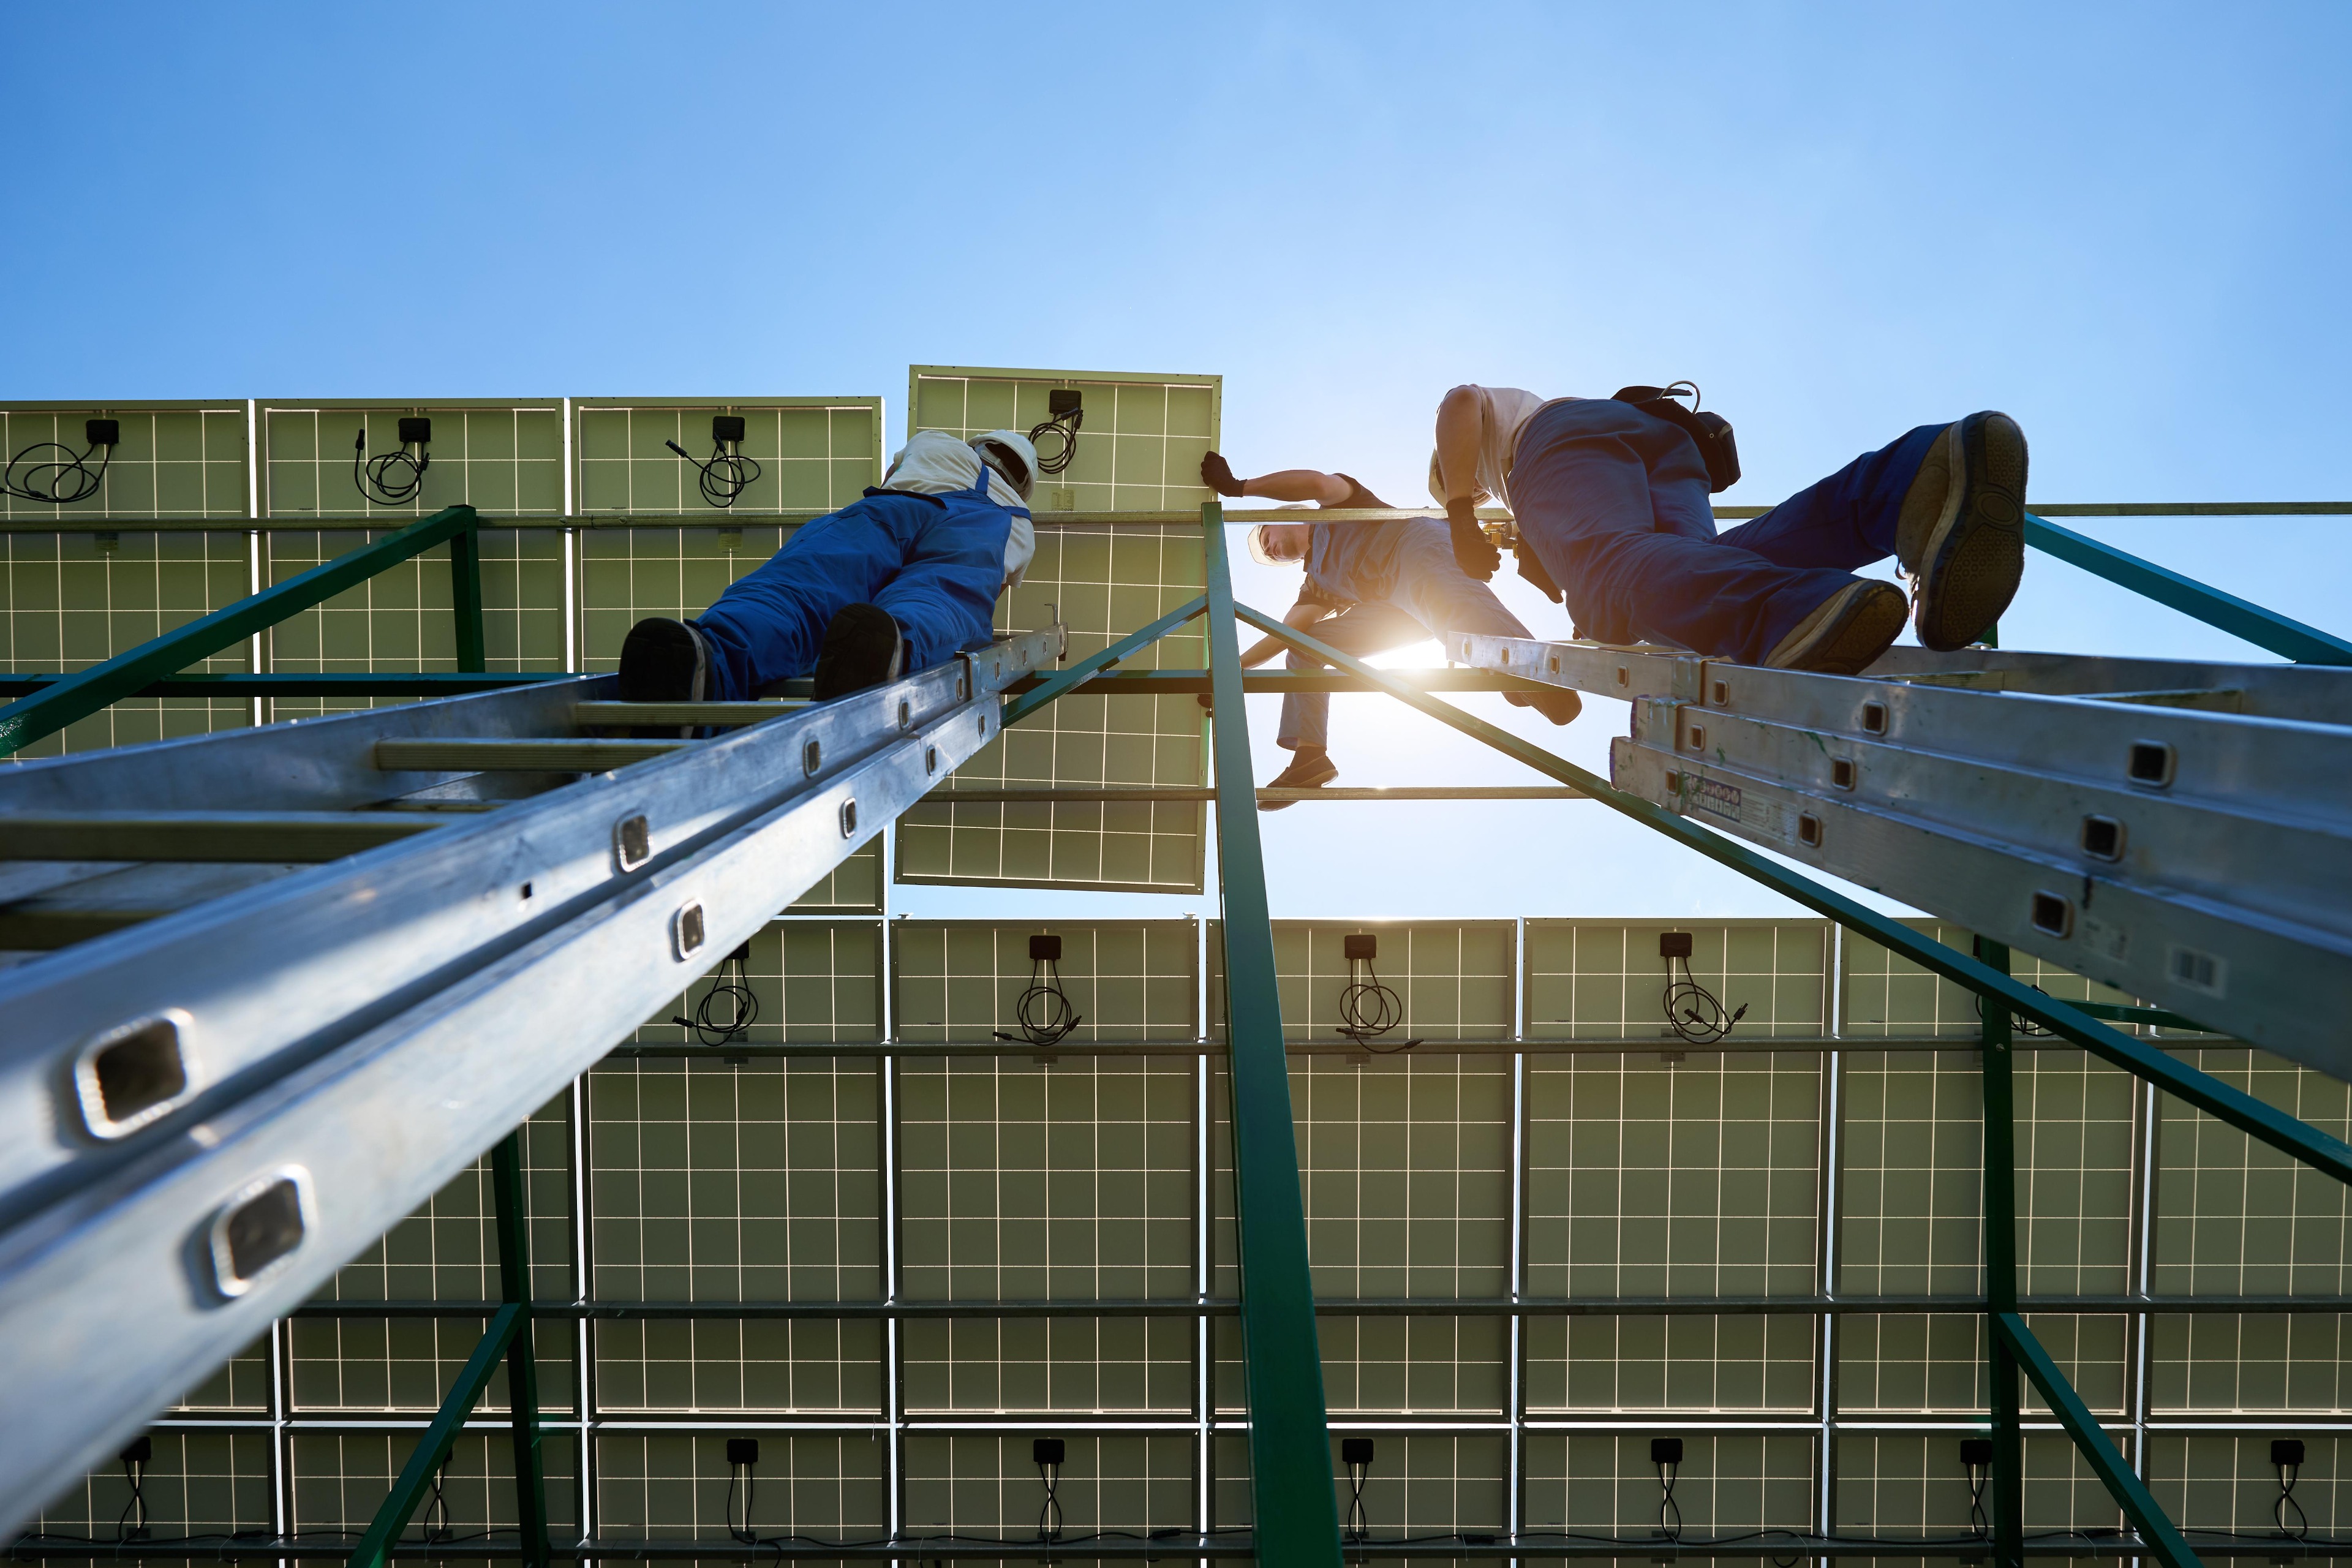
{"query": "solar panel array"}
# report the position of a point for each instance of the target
(895, 1247)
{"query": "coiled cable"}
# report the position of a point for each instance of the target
(1694, 1012)
(710, 1026)
(394, 478)
(1369, 1009)
(728, 473)
(1064, 427)
(1043, 1013)
(61, 481)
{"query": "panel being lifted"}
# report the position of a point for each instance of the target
(363, 457)
(180, 459)
(1137, 447)
(2194, 858)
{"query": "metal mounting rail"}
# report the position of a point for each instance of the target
(254, 1069)
(2191, 856)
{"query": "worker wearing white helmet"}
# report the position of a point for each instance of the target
(899, 581)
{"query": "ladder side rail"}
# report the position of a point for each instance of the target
(86, 692)
(2265, 1123)
(117, 1296)
(256, 982)
(311, 764)
(1294, 1505)
(2287, 638)
(2269, 975)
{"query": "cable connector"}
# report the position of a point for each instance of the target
(392, 479)
(1047, 1453)
(1692, 1012)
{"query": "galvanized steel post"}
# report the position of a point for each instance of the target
(1293, 1506)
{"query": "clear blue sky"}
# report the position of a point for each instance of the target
(2125, 224)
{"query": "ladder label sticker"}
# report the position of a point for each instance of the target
(1715, 797)
(2105, 941)
(2207, 974)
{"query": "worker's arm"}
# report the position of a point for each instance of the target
(1461, 414)
(1299, 617)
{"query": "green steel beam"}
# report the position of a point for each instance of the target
(1064, 681)
(2096, 1447)
(433, 1448)
(1294, 1504)
(523, 1366)
(2008, 1475)
(2264, 628)
(240, 685)
(85, 692)
(1195, 682)
(466, 598)
(2141, 1058)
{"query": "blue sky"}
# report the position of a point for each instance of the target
(2126, 226)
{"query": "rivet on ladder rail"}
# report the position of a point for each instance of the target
(687, 929)
(134, 1073)
(812, 756)
(258, 1228)
(849, 819)
(633, 842)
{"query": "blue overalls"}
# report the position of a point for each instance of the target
(1407, 588)
(1615, 501)
(936, 563)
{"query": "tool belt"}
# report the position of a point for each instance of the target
(1711, 431)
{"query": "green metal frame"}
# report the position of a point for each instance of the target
(507, 1339)
(2264, 628)
(61, 701)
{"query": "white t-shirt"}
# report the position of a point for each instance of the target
(935, 462)
(1502, 412)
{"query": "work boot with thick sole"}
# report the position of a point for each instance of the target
(1845, 635)
(1961, 532)
(664, 661)
(1310, 770)
(1559, 704)
(862, 649)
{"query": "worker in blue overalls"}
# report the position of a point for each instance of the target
(897, 582)
(1611, 498)
(1371, 585)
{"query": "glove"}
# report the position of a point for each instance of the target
(1472, 552)
(1531, 567)
(1218, 475)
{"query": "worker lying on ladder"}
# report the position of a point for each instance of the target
(1611, 500)
(897, 582)
(1384, 585)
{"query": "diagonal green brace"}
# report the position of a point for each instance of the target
(86, 691)
(2207, 1093)
(1063, 681)
(1295, 1506)
(522, 1365)
(433, 1449)
(2096, 1448)
(2264, 628)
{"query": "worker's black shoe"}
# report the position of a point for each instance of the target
(1307, 770)
(1961, 532)
(1218, 475)
(664, 661)
(1558, 704)
(862, 649)
(1846, 634)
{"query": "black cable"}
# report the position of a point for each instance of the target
(746, 1535)
(54, 483)
(1978, 1519)
(1369, 1009)
(1693, 1011)
(1668, 1470)
(438, 1535)
(2022, 1025)
(1360, 1524)
(1066, 427)
(727, 475)
(1043, 1013)
(1050, 1472)
(389, 478)
(2288, 1475)
(134, 1470)
(743, 1007)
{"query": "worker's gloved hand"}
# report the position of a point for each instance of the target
(1472, 552)
(1218, 475)
(1531, 567)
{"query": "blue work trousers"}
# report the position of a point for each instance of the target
(936, 565)
(1615, 501)
(1428, 593)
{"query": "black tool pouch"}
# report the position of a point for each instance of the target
(1711, 431)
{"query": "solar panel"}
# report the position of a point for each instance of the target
(68, 600)
(812, 454)
(503, 458)
(1138, 449)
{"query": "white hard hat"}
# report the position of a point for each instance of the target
(1010, 453)
(1255, 538)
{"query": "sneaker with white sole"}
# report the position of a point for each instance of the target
(1845, 635)
(1961, 532)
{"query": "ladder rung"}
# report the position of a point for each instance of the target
(209, 836)
(97, 905)
(601, 715)
(516, 756)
